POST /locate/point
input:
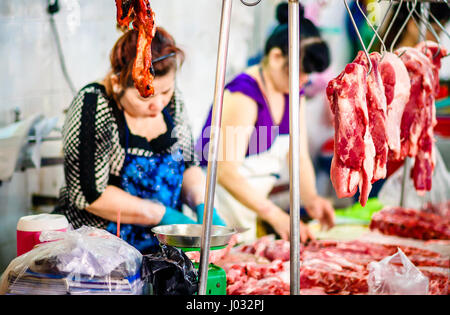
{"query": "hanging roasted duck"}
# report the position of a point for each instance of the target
(141, 15)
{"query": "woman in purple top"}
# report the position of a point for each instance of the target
(254, 136)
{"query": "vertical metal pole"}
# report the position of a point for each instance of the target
(214, 143)
(294, 143)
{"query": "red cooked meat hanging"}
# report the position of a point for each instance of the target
(141, 14)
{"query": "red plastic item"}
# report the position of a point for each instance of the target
(443, 127)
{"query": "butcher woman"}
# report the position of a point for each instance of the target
(129, 159)
(254, 136)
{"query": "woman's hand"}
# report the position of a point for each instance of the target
(280, 221)
(321, 209)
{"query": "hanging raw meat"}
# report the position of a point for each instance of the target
(354, 150)
(419, 117)
(142, 16)
(396, 86)
(411, 223)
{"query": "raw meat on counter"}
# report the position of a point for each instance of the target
(440, 208)
(411, 223)
(327, 267)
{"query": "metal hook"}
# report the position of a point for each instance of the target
(379, 27)
(403, 26)
(433, 32)
(419, 28)
(250, 4)
(441, 26)
(371, 26)
(359, 36)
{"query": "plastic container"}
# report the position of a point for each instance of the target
(30, 227)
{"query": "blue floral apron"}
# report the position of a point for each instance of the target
(157, 178)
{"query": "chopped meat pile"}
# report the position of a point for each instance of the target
(327, 267)
(411, 223)
(389, 112)
(141, 14)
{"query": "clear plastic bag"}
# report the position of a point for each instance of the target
(396, 274)
(439, 194)
(83, 261)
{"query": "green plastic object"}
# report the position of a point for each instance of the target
(359, 212)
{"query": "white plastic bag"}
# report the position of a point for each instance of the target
(396, 274)
(83, 261)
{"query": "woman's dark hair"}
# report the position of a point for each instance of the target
(123, 55)
(315, 55)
